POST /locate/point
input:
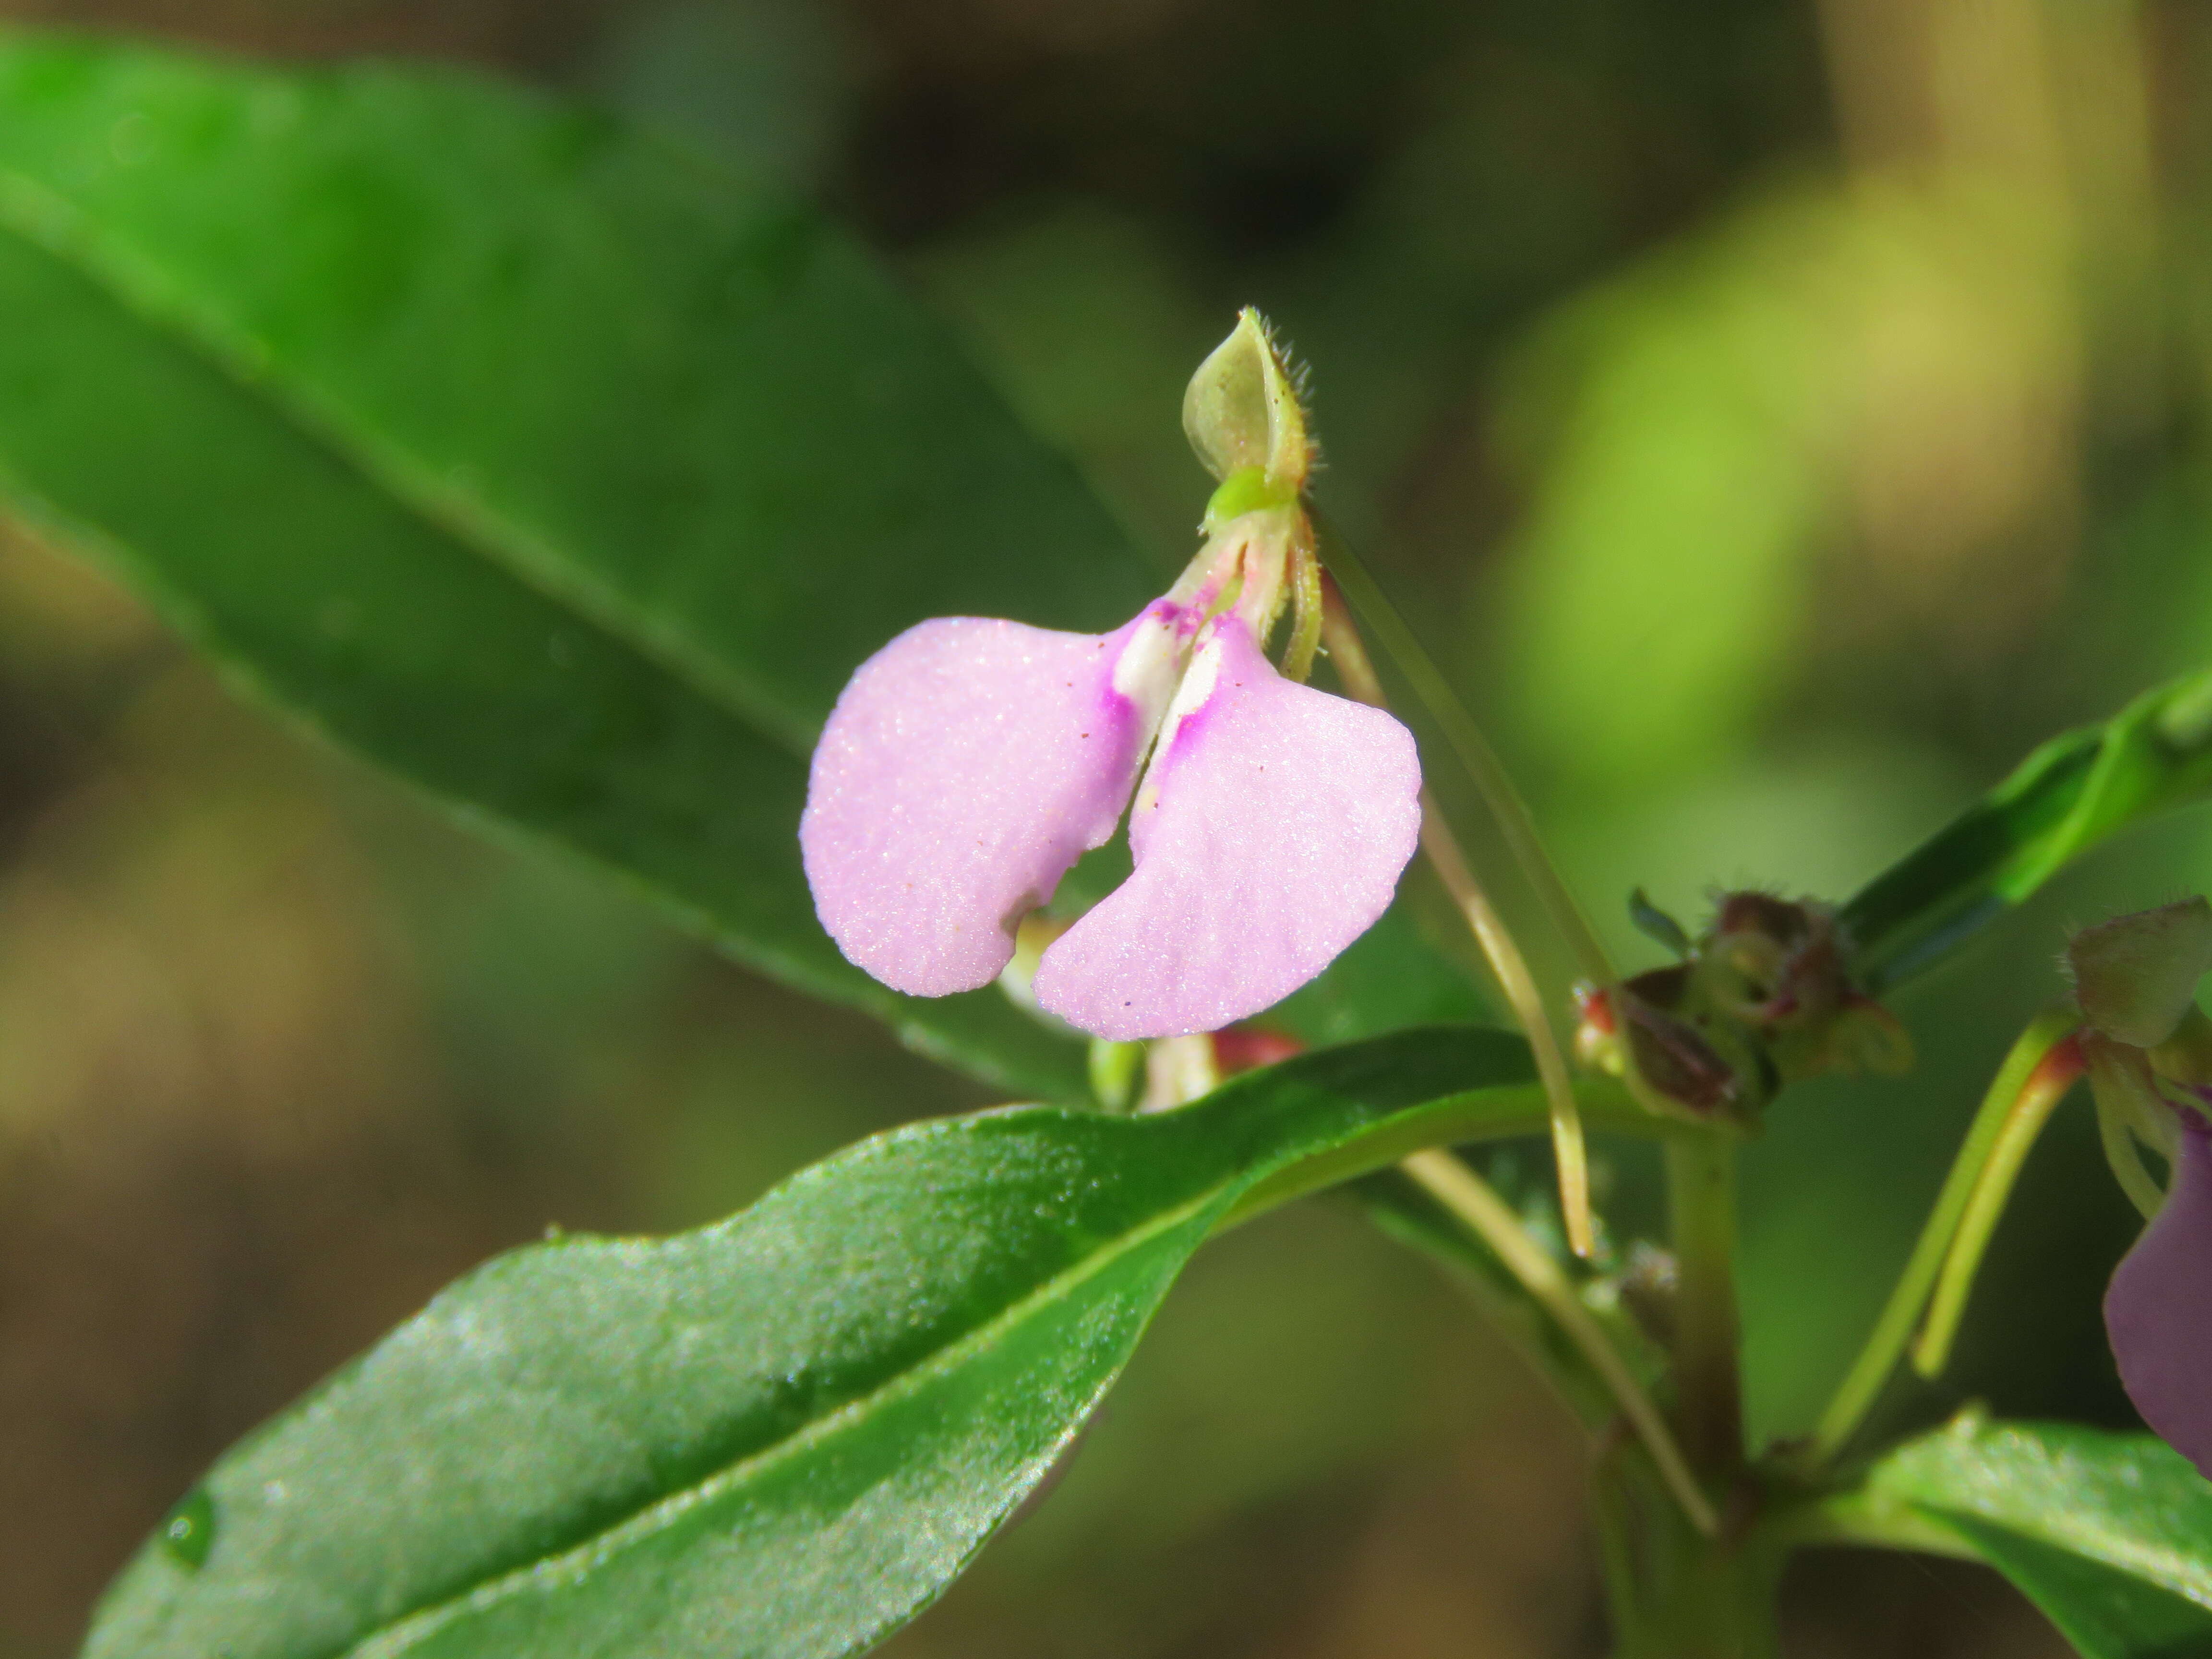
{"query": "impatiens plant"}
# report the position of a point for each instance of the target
(766, 606)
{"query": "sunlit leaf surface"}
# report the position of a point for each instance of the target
(2111, 1535)
(780, 1435)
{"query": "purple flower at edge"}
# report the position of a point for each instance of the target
(2148, 1052)
(2158, 1311)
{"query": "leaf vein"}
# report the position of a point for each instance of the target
(577, 1561)
(50, 222)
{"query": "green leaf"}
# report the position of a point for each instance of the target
(2111, 1535)
(692, 411)
(2071, 794)
(546, 463)
(318, 592)
(780, 1435)
(526, 455)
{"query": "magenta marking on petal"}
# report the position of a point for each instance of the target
(2158, 1311)
(966, 766)
(1270, 834)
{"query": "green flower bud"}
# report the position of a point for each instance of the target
(2135, 976)
(1242, 412)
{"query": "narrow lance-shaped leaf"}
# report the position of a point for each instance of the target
(2111, 1535)
(2069, 796)
(318, 591)
(778, 1436)
(555, 468)
(695, 412)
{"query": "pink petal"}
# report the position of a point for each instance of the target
(966, 766)
(1269, 834)
(2158, 1311)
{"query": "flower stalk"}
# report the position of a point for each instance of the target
(1475, 1203)
(1356, 670)
(2016, 1079)
(1514, 820)
(1472, 1200)
(2058, 1070)
(1701, 1209)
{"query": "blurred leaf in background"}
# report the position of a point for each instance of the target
(766, 84)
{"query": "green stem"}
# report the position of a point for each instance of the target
(1468, 1196)
(1403, 1210)
(2121, 1152)
(1720, 1606)
(1709, 1398)
(1612, 1519)
(1690, 1597)
(2046, 1086)
(1863, 1382)
(1481, 1114)
(1570, 1147)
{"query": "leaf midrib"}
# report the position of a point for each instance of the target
(643, 1524)
(138, 284)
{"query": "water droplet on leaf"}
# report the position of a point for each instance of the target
(189, 1533)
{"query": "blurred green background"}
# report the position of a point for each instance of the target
(1780, 415)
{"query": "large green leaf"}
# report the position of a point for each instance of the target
(527, 455)
(692, 411)
(546, 463)
(2111, 1535)
(320, 592)
(2071, 794)
(780, 1435)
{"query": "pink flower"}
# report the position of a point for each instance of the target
(970, 764)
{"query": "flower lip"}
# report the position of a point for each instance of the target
(1270, 832)
(967, 766)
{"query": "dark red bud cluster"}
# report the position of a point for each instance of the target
(1760, 1000)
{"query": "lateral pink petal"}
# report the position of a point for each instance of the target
(2158, 1311)
(1269, 834)
(966, 766)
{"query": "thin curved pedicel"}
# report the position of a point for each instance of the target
(1270, 833)
(2158, 1311)
(968, 764)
